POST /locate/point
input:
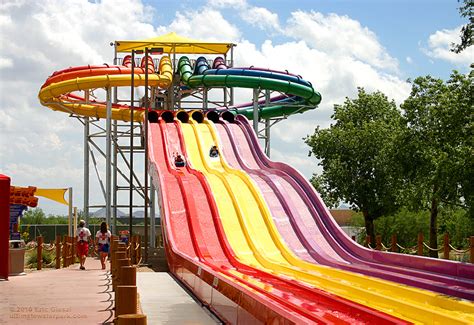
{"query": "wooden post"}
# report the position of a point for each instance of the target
(446, 247)
(71, 253)
(420, 244)
(128, 275)
(471, 241)
(116, 277)
(139, 250)
(394, 247)
(378, 242)
(65, 250)
(74, 249)
(117, 255)
(58, 251)
(39, 252)
(131, 319)
(113, 248)
(367, 241)
(133, 255)
(125, 300)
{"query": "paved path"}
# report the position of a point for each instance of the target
(64, 296)
(163, 301)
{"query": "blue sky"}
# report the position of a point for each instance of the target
(336, 45)
(401, 26)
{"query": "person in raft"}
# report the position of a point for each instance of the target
(83, 238)
(213, 152)
(179, 161)
(102, 239)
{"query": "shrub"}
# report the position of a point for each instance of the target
(31, 258)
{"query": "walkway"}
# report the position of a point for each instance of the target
(64, 296)
(163, 301)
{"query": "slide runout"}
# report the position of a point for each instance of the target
(328, 282)
(455, 274)
(303, 225)
(317, 314)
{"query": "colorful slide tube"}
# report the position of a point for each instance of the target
(307, 236)
(56, 91)
(201, 257)
(202, 76)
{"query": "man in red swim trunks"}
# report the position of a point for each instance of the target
(83, 238)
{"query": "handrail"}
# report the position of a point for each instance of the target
(447, 248)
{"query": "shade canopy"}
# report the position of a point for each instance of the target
(174, 43)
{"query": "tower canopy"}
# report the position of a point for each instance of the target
(173, 43)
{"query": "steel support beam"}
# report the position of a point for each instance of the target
(256, 91)
(108, 159)
(132, 109)
(86, 168)
(145, 144)
(267, 125)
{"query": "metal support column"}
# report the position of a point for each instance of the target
(108, 158)
(267, 125)
(86, 168)
(132, 109)
(152, 216)
(231, 101)
(145, 145)
(205, 101)
(114, 178)
(70, 231)
(255, 110)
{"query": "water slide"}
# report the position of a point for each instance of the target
(255, 240)
(301, 225)
(252, 243)
(194, 238)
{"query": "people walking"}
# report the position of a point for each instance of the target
(83, 238)
(103, 242)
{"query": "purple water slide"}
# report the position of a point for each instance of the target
(317, 240)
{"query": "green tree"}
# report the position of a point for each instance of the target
(467, 31)
(436, 146)
(33, 216)
(357, 154)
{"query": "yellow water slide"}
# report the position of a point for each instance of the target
(255, 240)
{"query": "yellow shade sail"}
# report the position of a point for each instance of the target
(174, 43)
(55, 194)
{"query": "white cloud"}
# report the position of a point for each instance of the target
(261, 18)
(439, 45)
(340, 35)
(202, 25)
(228, 3)
(409, 60)
(5, 63)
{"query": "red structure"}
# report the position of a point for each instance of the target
(4, 224)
